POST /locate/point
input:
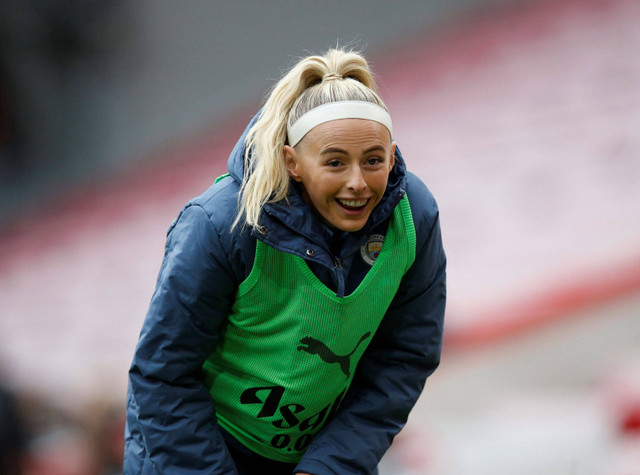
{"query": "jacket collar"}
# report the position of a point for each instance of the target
(293, 226)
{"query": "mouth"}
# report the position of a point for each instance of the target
(353, 205)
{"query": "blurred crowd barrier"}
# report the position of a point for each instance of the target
(39, 438)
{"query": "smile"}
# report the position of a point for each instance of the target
(352, 204)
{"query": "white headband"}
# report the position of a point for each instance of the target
(335, 111)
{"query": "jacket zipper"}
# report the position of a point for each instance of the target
(339, 270)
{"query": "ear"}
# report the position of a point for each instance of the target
(392, 159)
(291, 162)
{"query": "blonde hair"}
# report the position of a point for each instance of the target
(338, 75)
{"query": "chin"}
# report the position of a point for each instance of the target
(350, 227)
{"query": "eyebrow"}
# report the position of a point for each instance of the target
(344, 152)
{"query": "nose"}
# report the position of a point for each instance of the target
(356, 181)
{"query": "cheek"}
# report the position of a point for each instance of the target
(379, 182)
(325, 184)
(320, 191)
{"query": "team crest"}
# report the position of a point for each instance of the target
(371, 249)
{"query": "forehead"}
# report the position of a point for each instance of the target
(348, 133)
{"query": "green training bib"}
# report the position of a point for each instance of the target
(291, 345)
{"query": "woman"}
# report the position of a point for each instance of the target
(300, 303)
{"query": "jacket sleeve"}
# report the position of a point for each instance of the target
(392, 372)
(171, 422)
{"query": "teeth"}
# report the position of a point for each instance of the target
(353, 203)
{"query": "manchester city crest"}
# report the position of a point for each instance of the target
(370, 250)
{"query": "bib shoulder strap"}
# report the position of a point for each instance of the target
(256, 270)
(221, 177)
(404, 211)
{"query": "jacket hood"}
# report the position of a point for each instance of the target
(235, 163)
(298, 216)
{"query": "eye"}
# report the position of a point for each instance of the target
(374, 160)
(334, 163)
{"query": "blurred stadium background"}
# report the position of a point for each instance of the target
(522, 116)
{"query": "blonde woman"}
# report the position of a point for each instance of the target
(299, 306)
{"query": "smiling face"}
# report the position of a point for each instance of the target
(343, 166)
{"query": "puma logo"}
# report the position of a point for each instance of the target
(316, 347)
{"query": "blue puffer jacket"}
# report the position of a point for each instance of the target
(171, 422)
